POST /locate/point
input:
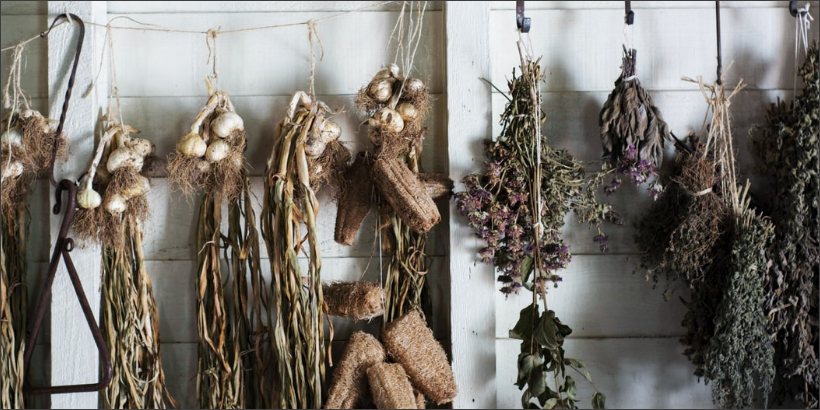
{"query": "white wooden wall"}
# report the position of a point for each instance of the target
(622, 327)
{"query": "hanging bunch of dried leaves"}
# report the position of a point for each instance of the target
(632, 130)
(113, 208)
(518, 206)
(211, 157)
(297, 342)
(788, 146)
(701, 231)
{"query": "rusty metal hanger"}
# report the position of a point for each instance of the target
(719, 56)
(523, 23)
(62, 249)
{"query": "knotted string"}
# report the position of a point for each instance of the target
(801, 35)
(210, 41)
(313, 37)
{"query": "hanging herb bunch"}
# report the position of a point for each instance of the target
(211, 158)
(632, 130)
(113, 208)
(306, 155)
(518, 206)
(788, 146)
(27, 143)
(703, 233)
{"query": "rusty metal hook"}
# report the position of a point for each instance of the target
(62, 248)
(523, 23)
(719, 56)
(629, 15)
(794, 11)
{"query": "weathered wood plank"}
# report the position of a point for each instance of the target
(14, 29)
(638, 5)
(251, 63)
(603, 296)
(10, 8)
(670, 44)
(633, 373)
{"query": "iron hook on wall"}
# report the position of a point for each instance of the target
(62, 248)
(719, 56)
(523, 23)
(629, 15)
(794, 11)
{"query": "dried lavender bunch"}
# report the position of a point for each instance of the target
(632, 129)
(524, 244)
(788, 146)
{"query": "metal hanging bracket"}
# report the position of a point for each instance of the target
(719, 56)
(794, 11)
(62, 249)
(629, 15)
(523, 23)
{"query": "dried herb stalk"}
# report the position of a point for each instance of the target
(519, 207)
(13, 303)
(297, 340)
(788, 146)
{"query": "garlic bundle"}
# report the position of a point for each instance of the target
(210, 155)
(115, 189)
(26, 146)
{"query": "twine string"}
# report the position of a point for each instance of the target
(801, 36)
(313, 37)
(210, 42)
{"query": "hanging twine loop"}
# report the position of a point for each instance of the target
(210, 41)
(313, 38)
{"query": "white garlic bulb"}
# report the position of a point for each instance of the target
(123, 157)
(88, 198)
(115, 204)
(217, 151)
(314, 147)
(225, 124)
(388, 120)
(138, 188)
(237, 160)
(331, 132)
(192, 145)
(13, 137)
(407, 111)
(381, 90)
(203, 167)
(392, 71)
(13, 170)
(413, 85)
(142, 147)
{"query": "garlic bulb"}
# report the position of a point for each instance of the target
(331, 132)
(13, 170)
(381, 90)
(88, 198)
(225, 124)
(34, 115)
(124, 157)
(314, 147)
(217, 151)
(407, 111)
(237, 160)
(192, 145)
(203, 167)
(142, 147)
(140, 187)
(115, 204)
(413, 85)
(392, 71)
(388, 120)
(12, 137)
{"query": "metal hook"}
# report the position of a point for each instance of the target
(62, 248)
(629, 16)
(794, 11)
(719, 56)
(522, 22)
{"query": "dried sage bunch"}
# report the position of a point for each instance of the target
(788, 146)
(632, 130)
(518, 206)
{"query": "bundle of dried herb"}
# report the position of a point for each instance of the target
(113, 207)
(211, 157)
(632, 129)
(518, 207)
(13, 303)
(296, 337)
(788, 146)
